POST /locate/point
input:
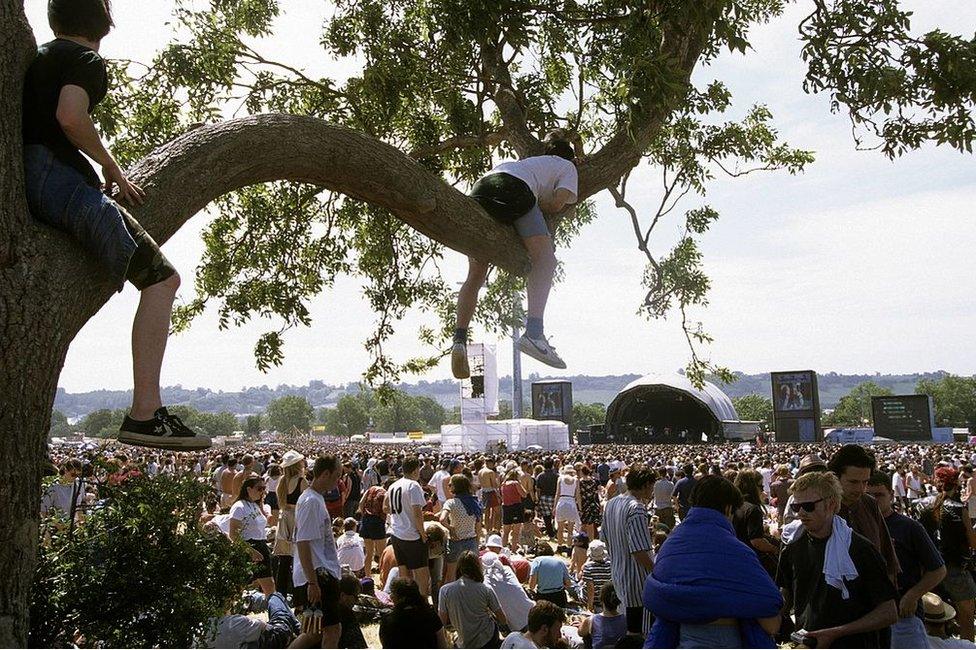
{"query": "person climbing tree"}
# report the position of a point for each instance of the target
(64, 83)
(520, 192)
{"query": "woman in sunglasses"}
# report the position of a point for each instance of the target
(248, 522)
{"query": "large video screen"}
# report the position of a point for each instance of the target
(793, 391)
(902, 417)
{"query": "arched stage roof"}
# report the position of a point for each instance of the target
(669, 400)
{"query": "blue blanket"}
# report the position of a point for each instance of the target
(703, 573)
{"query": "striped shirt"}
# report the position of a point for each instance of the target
(597, 572)
(625, 531)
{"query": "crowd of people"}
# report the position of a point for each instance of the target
(598, 546)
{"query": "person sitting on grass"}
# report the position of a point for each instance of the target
(412, 623)
(605, 629)
(544, 629)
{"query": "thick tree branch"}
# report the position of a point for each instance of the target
(185, 175)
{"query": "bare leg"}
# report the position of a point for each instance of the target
(422, 578)
(468, 295)
(539, 281)
(450, 569)
(964, 617)
(150, 329)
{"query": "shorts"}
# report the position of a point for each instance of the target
(513, 514)
(958, 583)
(527, 504)
(490, 499)
(457, 546)
(510, 200)
(261, 569)
(566, 510)
(60, 196)
(372, 527)
(555, 597)
(410, 553)
(329, 586)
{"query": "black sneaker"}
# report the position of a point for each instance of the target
(164, 431)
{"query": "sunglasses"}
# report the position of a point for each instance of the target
(806, 506)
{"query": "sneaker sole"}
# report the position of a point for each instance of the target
(529, 349)
(459, 366)
(164, 442)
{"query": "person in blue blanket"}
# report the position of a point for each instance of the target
(708, 589)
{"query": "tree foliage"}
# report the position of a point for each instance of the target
(585, 415)
(289, 411)
(954, 398)
(854, 409)
(757, 408)
(140, 572)
(461, 85)
(59, 425)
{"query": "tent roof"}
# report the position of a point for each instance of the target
(710, 395)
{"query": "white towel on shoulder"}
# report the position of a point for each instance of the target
(838, 565)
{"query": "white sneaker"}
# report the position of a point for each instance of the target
(459, 361)
(540, 350)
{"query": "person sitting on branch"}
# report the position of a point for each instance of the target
(519, 193)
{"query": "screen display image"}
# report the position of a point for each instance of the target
(549, 402)
(793, 391)
(902, 417)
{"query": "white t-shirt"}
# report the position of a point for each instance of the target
(403, 496)
(543, 174)
(767, 477)
(253, 521)
(518, 640)
(437, 482)
(234, 631)
(898, 485)
(313, 524)
(352, 550)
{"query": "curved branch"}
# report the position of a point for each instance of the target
(510, 108)
(185, 175)
(685, 37)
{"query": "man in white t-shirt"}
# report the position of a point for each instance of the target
(544, 629)
(437, 482)
(519, 193)
(405, 503)
(315, 566)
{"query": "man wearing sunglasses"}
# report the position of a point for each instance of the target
(836, 602)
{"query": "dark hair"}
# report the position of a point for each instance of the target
(749, 483)
(469, 566)
(350, 585)
(545, 613)
(248, 482)
(851, 456)
(638, 477)
(689, 470)
(410, 465)
(880, 478)
(323, 464)
(460, 484)
(274, 471)
(561, 148)
(406, 593)
(717, 493)
(91, 19)
(609, 597)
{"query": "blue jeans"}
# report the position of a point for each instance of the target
(709, 636)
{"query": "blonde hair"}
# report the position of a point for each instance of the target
(824, 483)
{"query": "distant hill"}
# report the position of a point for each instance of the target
(586, 389)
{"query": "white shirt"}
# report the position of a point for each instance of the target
(767, 477)
(543, 174)
(437, 482)
(404, 494)
(936, 642)
(313, 524)
(352, 550)
(518, 640)
(253, 521)
(898, 484)
(233, 631)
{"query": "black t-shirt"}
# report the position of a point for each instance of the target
(818, 605)
(546, 482)
(352, 634)
(58, 64)
(748, 523)
(916, 552)
(410, 627)
(948, 533)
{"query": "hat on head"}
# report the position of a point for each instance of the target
(597, 550)
(936, 610)
(812, 463)
(494, 541)
(581, 539)
(290, 458)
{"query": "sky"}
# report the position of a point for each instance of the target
(858, 265)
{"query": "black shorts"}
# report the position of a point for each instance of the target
(261, 569)
(513, 514)
(372, 527)
(503, 196)
(148, 265)
(528, 505)
(411, 554)
(329, 586)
